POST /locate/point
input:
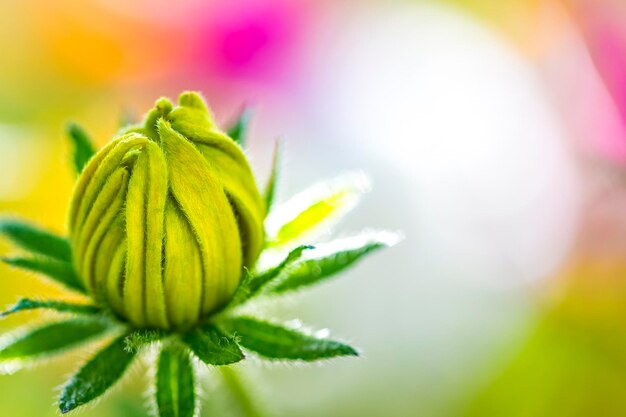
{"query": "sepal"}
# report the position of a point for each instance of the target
(25, 304)
(306, 215)
(96, 377)
(274, 341)
(59, 271)
(35, 239)
(328, 259)
(82, 146)
(175, 383)
(239, 130)
(212, 346)
(46, 340)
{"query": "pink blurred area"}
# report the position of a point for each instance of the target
(235, 50)
(605, 36)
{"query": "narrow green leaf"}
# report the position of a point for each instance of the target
(328, 259)
(311, 211)
(175, 389)
(82, 146)
(35, 239)
(212, 346)
(277, 342)
(270, 188)
(239, 130)
(242, 294)
(60, 306)
(251, 284)
(60, 271)
(138, 339)
(96, 376)
(50, 339)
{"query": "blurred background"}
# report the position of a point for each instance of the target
(494, 133)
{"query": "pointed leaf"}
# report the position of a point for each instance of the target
(96, 376)
(60, 306)
(251, 285)
(329, 259)
(239, 130)
(36, 240)
(175, 389)
(82, 146)
(270, 188)
(212, 346)
(243, 292)
(60, 271)
(49, 339)
(277, 342)
(309, 212)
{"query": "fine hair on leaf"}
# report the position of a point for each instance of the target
(49, 339)
(212, 346)
(61, 272)
(25, 304)
(274, 341)
(252, 284)
(98, 375)
(175, 382)
(328, 259)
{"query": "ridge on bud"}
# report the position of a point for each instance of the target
(164, 217)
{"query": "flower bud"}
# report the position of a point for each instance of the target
(165, 216)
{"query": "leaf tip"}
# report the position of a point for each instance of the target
(350, 351)
(65, 405)
(390, 239)
(71, 127)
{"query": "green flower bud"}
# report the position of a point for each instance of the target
(165, 216)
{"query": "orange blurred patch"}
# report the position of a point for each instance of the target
(91, 44)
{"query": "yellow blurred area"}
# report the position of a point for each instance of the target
(44, 185)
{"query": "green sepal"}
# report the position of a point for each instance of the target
(328, 260)
(36, 240)
(175, 386)
(313, 210)
(270, 188)
(239, 130)
(59, 271)
(96, 376)
(50, 339)
(212, 346)
(25, 304)
(251, 285)
(82, 146)
(141, 338)
(273, 341)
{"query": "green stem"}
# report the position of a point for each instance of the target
(239, 393)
